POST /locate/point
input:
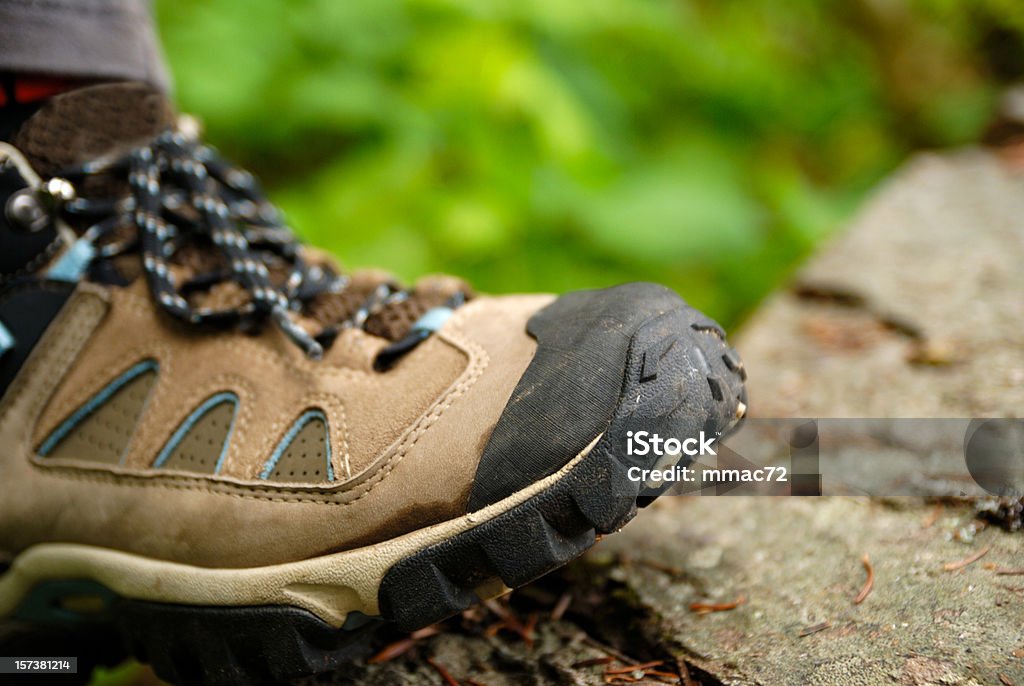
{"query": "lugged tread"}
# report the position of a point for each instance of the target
(653, 357)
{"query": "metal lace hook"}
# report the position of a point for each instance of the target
(38, 205)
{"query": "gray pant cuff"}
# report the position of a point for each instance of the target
(100, 39)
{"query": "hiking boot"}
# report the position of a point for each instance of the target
(233, 457)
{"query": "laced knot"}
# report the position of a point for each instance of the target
(181, 194)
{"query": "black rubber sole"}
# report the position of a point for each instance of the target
(239, 645)
(185, 645)
(681, 378)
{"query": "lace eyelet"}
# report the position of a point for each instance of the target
(25, 211)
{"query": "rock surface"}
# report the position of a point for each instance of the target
(917, 310)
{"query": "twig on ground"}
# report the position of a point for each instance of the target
(930, 520)
(684, 672)
(663, 675)
(865, 591)
(561, 607)
(705, 608)
(661, 567)
(403, 645)
(445, 674)
(643, 667)
(960, 564)
(392, 651)
(496, 608)
(1006, 571)
(592, 662)
(608, 650)
(641, 672)
(527, 630)
(508, 621)
(815, 628)
(426, 632)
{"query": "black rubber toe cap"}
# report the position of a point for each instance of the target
(568, 394)
(608, 363)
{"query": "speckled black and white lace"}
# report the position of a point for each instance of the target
(181, 191)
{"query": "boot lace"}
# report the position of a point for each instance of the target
(183, 193)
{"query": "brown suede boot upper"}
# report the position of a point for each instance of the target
(131, 430)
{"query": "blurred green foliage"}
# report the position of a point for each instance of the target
(555, 144)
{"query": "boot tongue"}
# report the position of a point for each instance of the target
(91, 122)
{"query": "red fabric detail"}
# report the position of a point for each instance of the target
(33, 89)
